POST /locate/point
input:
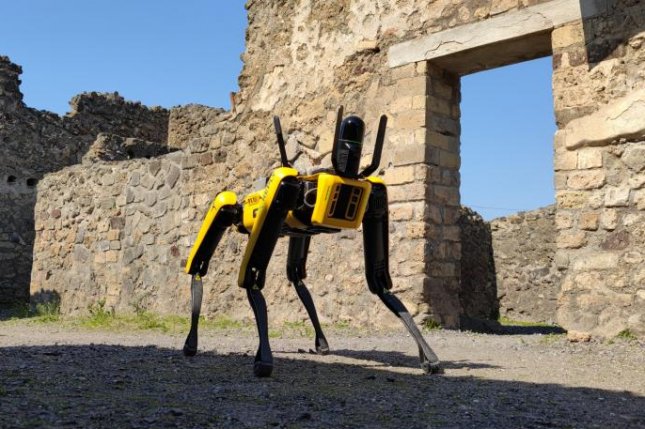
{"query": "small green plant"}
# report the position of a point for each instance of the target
(224, 323)
(47, 311)
(431, 325)
(146, 320)
(505, 321)
(299, 327)
(342, 324)
(551, 338)
(99, 315)
(626, 334)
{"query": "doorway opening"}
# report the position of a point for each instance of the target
(507, 128)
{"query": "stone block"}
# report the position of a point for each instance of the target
(449, 159)
(403, 211)
(399, 175)
(410, 119)
(609, 219)
(592, 179)
(574, 336)
(566, 161)
(442, 141)
(400, 104)
(595, 261)
(634, 157)
(567, 35)
(570, 199)
(571, 240)
(406, 71)
(589, 158)
(409, 192)
(411, 86)
(589, 221)
(448, 195)
(415, 229)
(414, 154)
(617, 196)
(563, 220)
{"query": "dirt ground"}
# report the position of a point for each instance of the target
(60, 377)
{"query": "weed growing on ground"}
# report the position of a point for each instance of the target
(505, 321)
(44, 312)
(431, 325)
(626, 334)
(47, 312)
(551, 338)
(99, 317)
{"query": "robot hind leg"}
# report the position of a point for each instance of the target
(375, 243)
(296, 272)
(223, 213)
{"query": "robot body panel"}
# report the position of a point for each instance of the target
(340, 202)
(210, 232)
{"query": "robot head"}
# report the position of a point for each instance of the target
(348, 146)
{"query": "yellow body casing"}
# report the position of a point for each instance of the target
(331, 190)
(222, 199)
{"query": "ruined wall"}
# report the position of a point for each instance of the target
(528, 281)
(301, 62)
(34, 143)
(478, 294)
(599, 93)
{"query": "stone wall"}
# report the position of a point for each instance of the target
(34, 143)
(599, 92)
(303, 60)
(528, 281)
(478, 294)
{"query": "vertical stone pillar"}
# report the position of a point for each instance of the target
(600, 175)
(423, 181)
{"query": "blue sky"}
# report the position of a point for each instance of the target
(170, 53)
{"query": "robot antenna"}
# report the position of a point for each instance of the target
(339, 119)
(281, 145)
(378, 148)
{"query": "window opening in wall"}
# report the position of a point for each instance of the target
(31, 182)
(507, 129)
(11, 180)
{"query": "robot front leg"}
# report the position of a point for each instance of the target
(376, 247)
(223, 212)
(262, 241)
(296, 272)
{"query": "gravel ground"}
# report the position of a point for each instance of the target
(58, 377)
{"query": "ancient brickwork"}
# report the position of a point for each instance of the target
(528, 281)
(599, 92)
(478, 294)
(35, 143)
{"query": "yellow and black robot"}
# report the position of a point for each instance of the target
(300, 206)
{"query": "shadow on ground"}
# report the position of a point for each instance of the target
(144, 387)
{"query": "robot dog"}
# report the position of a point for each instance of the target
(300, 206)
